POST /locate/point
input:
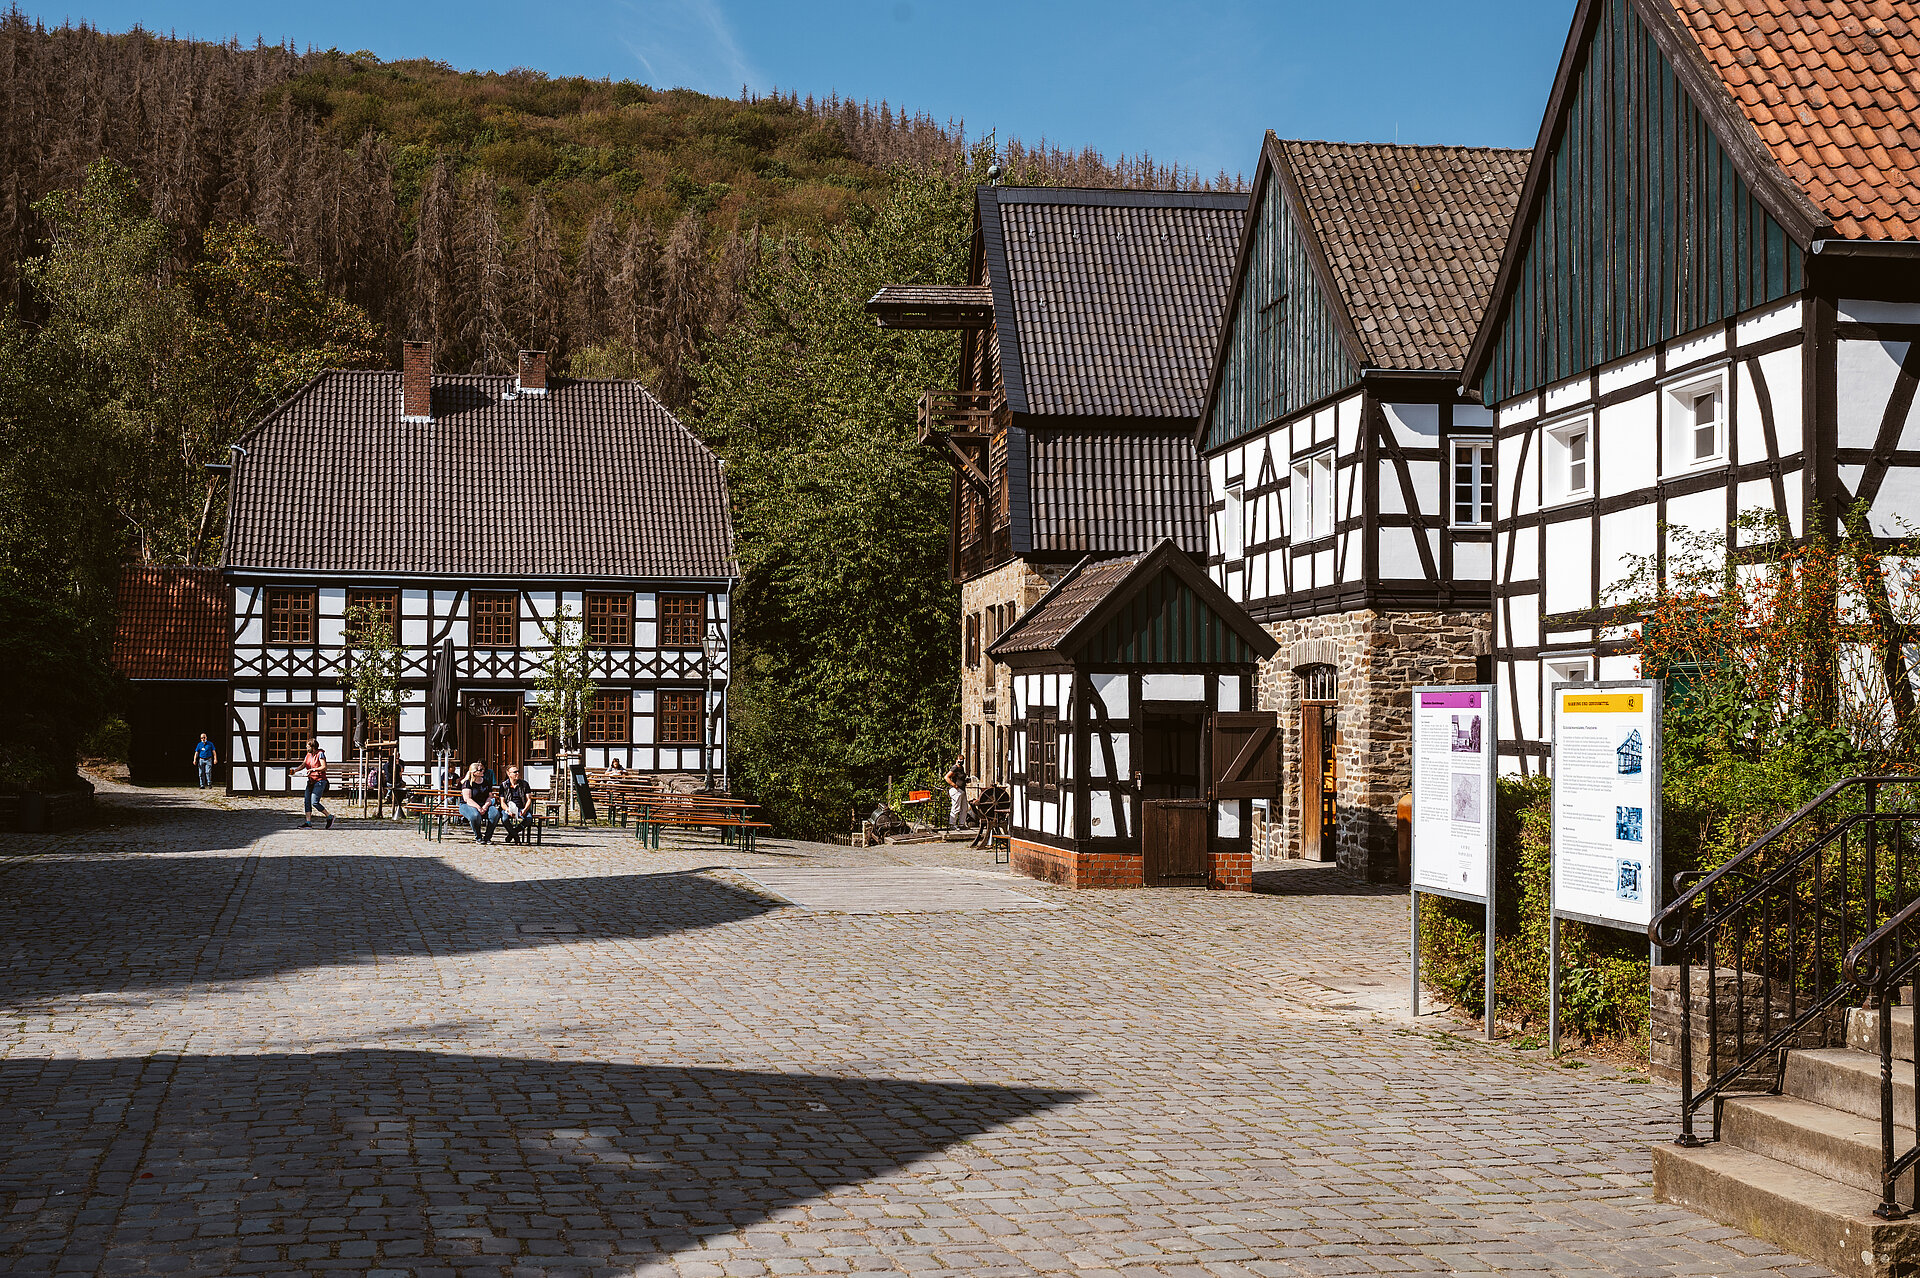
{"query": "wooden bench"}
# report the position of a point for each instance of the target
(730, 818)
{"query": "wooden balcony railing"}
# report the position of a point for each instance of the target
(956, 413)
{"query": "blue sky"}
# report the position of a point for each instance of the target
(1193, 83)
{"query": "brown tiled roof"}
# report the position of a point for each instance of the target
(172, 623)
(1108, 492)
(1412, 236)
(1048, 622)
(1831, 86)
(592, 479)
(1108, 302)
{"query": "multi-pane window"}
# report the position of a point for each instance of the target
(678, 719)
(1570, 460)
(495, 619)
(1320, 682)
(287, 731)
(610, 621)
(610, 718)
(682, 620)
(1472, 483)
(379, 607)
(290, 616)
(971, 646)
(1312, 492)
(1043, 752)
(1696, 423)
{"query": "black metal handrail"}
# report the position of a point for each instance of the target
(1894, 947)
(1779, 919)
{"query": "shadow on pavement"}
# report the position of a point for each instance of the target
(184, 1163)
(80, 924)
(1318, 878)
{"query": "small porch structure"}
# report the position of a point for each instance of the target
(172, 645)
(1136, 757)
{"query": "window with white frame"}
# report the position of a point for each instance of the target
(1696, 422)
(1233, 526)
(1472, 483)
(1312, 493)
(1570, 460)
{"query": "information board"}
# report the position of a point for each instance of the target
(1453, 799)
(1454, 740)
(1606, 803)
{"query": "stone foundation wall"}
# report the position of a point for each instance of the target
(989, 683)
(1381, 657)
(1739, 1010)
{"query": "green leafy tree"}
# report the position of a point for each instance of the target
(374, 664)
(565, 687)
(844, 639)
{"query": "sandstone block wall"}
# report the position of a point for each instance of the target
(1381, 657)
(1018, 583)
(1739, 1015)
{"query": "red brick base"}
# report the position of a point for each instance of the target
(1232, 871)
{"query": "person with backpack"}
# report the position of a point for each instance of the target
(315, 766)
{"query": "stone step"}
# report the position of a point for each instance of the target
(1849, 1081)
(1863, 1031)
(1827, 1222)
(1827, 1142)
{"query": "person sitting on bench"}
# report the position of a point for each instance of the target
(476, 803)
(516, 805)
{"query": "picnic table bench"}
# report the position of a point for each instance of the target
(731, 818)
(433, 807)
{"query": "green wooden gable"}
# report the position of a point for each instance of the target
(1283, 348)
(1639, 227)
(1167, 624)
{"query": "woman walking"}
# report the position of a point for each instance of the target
(315, 766)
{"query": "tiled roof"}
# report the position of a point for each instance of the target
(592, 479)
(172, 623)
(1047, 623)
(1109, 492)
(932, 306)
(1412, 236)
(1831, 86)
(1108, 302)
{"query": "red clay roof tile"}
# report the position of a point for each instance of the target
(1827, 85)
(173, 623)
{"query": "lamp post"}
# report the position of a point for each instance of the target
(710, 650)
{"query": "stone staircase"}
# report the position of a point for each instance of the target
(1801, 1170)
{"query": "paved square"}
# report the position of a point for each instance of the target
(229, 1046)
(872, 889)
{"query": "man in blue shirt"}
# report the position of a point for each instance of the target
(204, 757)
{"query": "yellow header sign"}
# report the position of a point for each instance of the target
(1602, 702)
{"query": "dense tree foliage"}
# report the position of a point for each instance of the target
(845, 638)
(134, 378)
(484, 213)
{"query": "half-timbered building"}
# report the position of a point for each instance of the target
(1350, 480)
(1136, 756)
(1086, 326)
(1709, 306)
(469, 511)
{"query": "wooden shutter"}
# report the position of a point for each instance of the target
(1246, 754)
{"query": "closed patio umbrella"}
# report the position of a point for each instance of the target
(444, 704)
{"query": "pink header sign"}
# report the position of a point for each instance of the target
(1450, 700)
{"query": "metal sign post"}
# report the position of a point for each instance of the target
(1454, 738)
(1606, 814)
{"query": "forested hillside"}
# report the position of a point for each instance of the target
(485, 212)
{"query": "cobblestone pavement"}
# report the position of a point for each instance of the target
(231, 1046)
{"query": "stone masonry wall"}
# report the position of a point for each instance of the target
(1016, 582)
(1381, 657)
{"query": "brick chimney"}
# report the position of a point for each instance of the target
(533, 373)
(416, 382)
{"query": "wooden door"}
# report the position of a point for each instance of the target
(500, 745)
(1173, 843)
(1319, 733)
